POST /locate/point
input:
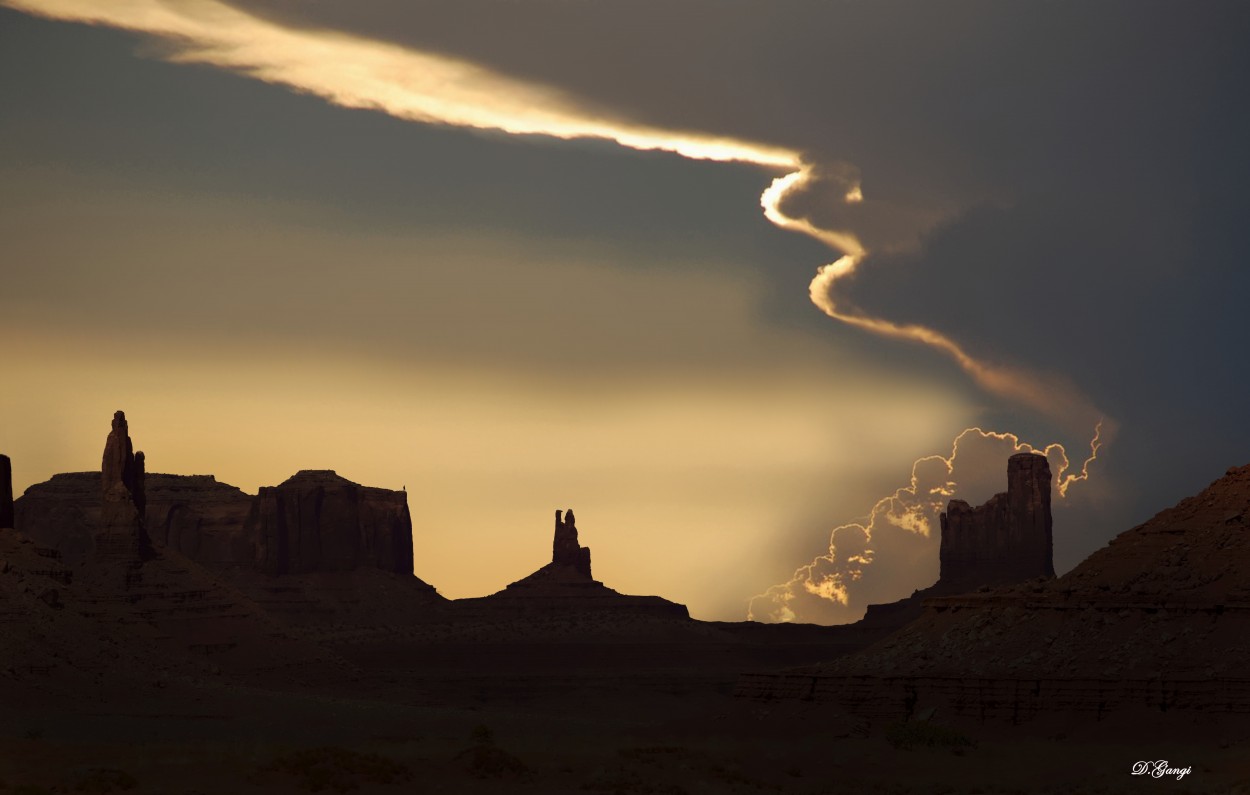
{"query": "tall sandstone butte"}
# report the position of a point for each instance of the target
(122, 534)
(6, 492)
(319, 521)
(1006, 540)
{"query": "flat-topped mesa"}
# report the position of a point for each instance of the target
(565, 551)
(219, 526)
(122, 534)
(6, 492)
(317, 521)
(1006, 540)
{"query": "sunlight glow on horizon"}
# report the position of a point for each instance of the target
(690, 468)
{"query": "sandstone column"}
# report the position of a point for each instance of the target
(122, 535)
(1028, 510)
(565, 551)
(1005, 540)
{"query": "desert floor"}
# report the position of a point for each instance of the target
(569, 718)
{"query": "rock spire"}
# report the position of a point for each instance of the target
(565, 551)
(122, 534)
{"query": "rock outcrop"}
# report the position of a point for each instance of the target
(122, 535)
(6, 492)
(317, 552)
(319, 521)
(565, 586)
(315, 521)
(1006, 540)
(202, 518)
(62, 513)
(565, 551)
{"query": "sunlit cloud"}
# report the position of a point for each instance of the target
(832, 583)
(357, 72)
(1050, 396)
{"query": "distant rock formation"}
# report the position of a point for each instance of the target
(565, 551)
(202, 518)
(1155, 620)
(6, 492)
(319, 521)
(314, 521)
(1006, 540)
(122, 535)
(315, 552)
(565, 586)
(62, 513)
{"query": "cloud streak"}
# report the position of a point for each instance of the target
(356, 72)
(1050, 396)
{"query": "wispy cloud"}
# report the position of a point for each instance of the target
(833, 585)
(358, 72)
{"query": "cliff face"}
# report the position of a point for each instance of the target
(312, 522)
(62, 514)
(319, 521)
(316, 521)
(201, 518)
(1006, 540)
(6, 492)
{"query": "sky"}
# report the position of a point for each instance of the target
(735, 281)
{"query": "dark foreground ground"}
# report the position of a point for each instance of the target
(566, 717)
